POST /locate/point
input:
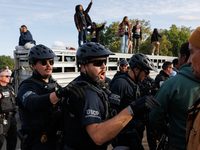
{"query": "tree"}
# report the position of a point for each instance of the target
(109, 36)
(177, 36)
(146, 46)
(6, 61)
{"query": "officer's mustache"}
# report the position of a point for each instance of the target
(48, 68)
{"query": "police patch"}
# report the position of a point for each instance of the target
(27, 94)
(115, 97)
(92, 113)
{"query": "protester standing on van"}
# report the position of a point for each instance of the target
(130, 45)
(124, 33)
(94, 32)
(82, 21)
(155, 41)
(137, 37)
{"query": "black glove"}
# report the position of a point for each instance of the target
(76, 88)
(143, 105)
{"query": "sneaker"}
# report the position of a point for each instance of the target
(157, 54)
(152, 54)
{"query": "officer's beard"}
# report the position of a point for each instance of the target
(97, 78)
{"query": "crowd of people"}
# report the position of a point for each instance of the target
(93, 111)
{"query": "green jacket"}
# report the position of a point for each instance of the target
(176, 95)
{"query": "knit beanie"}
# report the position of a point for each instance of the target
(194, 38)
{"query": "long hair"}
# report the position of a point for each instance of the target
(94, 26)
(155, 30)
(124, 22)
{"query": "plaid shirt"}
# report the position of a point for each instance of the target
(121, 31)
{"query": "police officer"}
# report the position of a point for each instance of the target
(39, 101)
(125, 90)
(8, 128)
(87, 120)
(122, 68)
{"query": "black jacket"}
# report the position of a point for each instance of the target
(77, 17)
(154, 37)
(119, 73)
(162, 76)
(135, 35)
(97, 38)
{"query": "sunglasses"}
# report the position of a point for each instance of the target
(98, 63)
(6, 76)
(147, 72)
(44, 62)
(123, 65)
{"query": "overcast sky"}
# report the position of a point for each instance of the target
(51, 22)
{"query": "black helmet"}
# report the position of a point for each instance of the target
(123, 62)
(142, 62)
(91, 50)
(39, 52)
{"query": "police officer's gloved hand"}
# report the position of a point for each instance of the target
(143, 105)
(76, 88)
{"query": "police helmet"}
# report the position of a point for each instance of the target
(142, 62)
(91, 50)
(123, 62)
(39, 52)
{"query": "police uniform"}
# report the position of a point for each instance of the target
(124, 91)
(161, 78)
(119, 73)
(80, 112)
(40, 118)
(8, 128)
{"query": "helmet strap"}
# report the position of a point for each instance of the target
(40, 74)
(85, 70)
(136, 77)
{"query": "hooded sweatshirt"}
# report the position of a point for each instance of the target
(176, 95)
(25, 37)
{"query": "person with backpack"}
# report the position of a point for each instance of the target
(176, 95)
(193, 118)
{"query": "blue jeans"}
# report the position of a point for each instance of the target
(82, 36)
(124, 43)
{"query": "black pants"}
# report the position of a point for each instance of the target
(10, 136)
(35, 143)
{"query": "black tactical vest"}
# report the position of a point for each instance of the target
(7, 102)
